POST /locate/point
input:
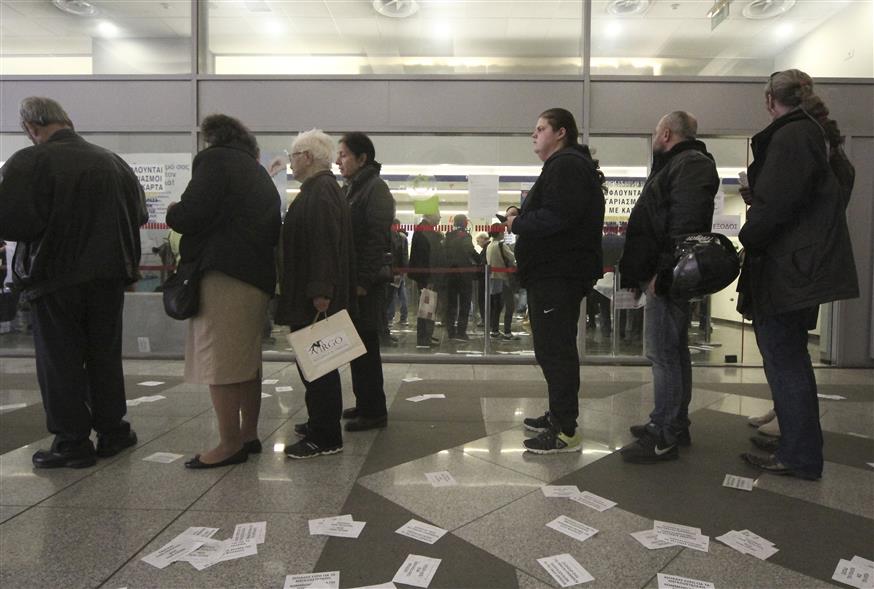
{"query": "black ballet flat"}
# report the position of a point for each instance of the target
(241, 456)
(252, 446)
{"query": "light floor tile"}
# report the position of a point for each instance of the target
(10, 511)
(49, 547)
(505, 449)
(22, 484)
(200, 434)
(842, 487)
(612, 556)
(482, 487)
(132, 483)
(727, 568)
(288, 549)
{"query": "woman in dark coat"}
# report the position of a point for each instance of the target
(318, 269)
(372, 207)
(229, 220)
(798, 256)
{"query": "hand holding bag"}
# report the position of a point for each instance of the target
(326, 345)
(427, 305)
(182, 291)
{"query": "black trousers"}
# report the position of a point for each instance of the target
(554, 310)
(460, 291)
(367, 381)
(77, 338)
(324, 401)
(505, 300)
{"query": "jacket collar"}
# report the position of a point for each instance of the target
(62, 134)
(660, 160)
(309, 181)
(761, 139)
(362, 176)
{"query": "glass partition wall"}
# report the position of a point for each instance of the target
(476, 174)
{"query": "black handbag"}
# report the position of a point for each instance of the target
(182, 291)
(386, 271)
(705, 263)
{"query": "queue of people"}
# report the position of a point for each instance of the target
(333, 251)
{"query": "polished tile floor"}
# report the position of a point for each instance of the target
(91, 527)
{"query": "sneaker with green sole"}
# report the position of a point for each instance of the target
(554, 441)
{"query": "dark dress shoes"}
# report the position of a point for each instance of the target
(66, 455)
(360, 424)
(241, 456)
(350, 413)
(252, 446)
(110, 445)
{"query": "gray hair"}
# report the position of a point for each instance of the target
(319, 146)
(38, 110)
(682, 123)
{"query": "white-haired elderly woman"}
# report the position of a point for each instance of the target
(317, 274)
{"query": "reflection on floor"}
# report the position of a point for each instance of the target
(92, 527)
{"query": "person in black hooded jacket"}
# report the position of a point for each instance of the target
(798, 255)
(372, 208)
(676, 199)
(559, 258)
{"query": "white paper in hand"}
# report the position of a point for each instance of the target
(417, 571)
(566, 571)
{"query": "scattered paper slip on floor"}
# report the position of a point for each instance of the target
(251, 532)
(571, 527)
(566, 571)
(316, 525)
(761, 549)
(441, 479)
(266, 395)
(735, 482)
(329, 580)
(650, 540)
(421, 531)
(171, 552)
(388, 585)
(151, 383)
(594, 501)
(854, 573)
(411, 379)
(831, 397)
(285, 389)
(675, 582)
(560, 490)
(162, 457)
(270, 381)
(417, 571)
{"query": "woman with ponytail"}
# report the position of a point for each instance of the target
(798, 256)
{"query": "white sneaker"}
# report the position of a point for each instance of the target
(760, 420)
(772, 428)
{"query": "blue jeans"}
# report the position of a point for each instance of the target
(667, 346)
(398, 295)
(782, 340)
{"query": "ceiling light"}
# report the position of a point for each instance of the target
(107, 29)
(613, 29)
(441, 29)
(763, 9)
(273, 27)
(784, 30)
(76, 7)
(627, 7)
(396, 8)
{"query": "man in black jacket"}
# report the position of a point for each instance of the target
(426, 253)
(75, 210)
(677, 198)
(460, 254)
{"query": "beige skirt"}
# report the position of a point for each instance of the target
(224, 338)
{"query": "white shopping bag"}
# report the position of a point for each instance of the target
(427, 304)
(326, 345)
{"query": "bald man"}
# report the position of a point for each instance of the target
(676, 199)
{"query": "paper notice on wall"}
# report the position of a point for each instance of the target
(482, 197)
(163, 176)
(622, 195)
